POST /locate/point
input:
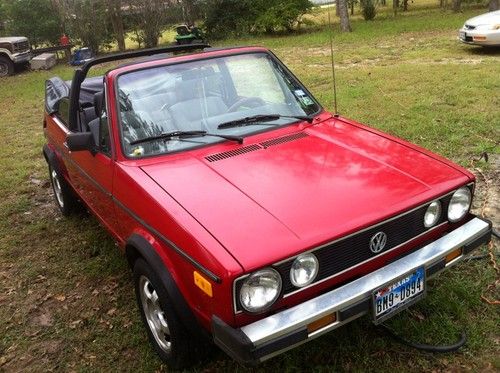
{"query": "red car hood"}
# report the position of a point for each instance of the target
(282, 197)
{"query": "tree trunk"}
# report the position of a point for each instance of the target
(115, 13)
(494, 5)
(352, 8)
(457, 5)
(188, 8)
(395, 6)
(345, 25)
(405, 5)
(337, 13)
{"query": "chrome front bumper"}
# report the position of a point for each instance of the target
(22, 57)
(282, 331)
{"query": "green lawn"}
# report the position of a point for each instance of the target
(66, 298)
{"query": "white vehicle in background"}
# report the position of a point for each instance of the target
(482, 30)
(13, 51)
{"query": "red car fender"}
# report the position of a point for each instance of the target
(143, 245)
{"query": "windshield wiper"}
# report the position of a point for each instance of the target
(260, 120)
(185, 135)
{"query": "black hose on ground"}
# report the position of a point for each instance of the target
(495, 233)
(425, 347)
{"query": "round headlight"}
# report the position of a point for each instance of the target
(459, 204)
(304, 270)
(432, 214)
(260, 290)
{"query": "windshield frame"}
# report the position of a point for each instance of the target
(269, 53)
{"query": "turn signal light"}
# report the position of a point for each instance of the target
(479, 38)
(203, 284)
(453, 255)
(321, 323)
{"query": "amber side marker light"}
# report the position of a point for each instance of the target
(321, 323)
(453, 255)
(203, 284)
(479, 38)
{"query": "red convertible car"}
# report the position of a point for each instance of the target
(250, 216)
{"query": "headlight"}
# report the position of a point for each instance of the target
(459, 204)
(432, 214)
(304, 270)
(260, 290)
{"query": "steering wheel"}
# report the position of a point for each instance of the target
(246, 101)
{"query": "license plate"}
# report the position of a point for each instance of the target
(398, 295)
(462, 35)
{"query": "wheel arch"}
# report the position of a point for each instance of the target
(138, 247)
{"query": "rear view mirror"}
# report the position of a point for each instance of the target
(81, 141)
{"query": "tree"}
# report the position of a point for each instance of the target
(116, 18)
(29, 18)
(87, 21)
(457, 5)
(493, 5)
(150, 18)
(345, 25)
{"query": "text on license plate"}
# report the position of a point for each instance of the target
(398, 295)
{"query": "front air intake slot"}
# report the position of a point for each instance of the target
(232, 153)
(284, 139)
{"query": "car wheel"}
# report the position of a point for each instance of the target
(6, 66)
(64, 196)
(170, 339)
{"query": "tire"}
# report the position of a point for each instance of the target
(6, 66)
(169, 337)
(63, 195)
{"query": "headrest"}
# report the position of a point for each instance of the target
(98, 103)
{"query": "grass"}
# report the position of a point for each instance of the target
(66, 298)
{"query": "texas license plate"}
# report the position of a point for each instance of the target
(398, 295)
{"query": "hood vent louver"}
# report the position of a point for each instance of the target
(251, 148)
(232, 153)
(284, 139)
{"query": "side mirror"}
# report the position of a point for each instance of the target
(81, 141)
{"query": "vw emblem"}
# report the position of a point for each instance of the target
(377, 242)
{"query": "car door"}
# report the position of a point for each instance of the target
(93, 172)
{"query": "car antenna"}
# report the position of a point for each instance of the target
(336, 113)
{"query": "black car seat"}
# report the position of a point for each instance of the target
(98, 107)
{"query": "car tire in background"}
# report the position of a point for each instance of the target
(169, 337)
(6, 66)
(63, 195)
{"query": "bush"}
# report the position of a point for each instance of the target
(227, 18)
(368, 9)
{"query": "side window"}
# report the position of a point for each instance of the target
(104, 137)
(63, 111)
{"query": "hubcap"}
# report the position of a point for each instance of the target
(154, 314)
(56, 185)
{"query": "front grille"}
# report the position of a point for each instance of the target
(468, 38)
(348, 252)
(21, 46)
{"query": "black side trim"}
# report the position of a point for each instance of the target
(355, 309)
(169, 243)
(146, 251)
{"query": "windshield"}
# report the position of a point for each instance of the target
(201, 95)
